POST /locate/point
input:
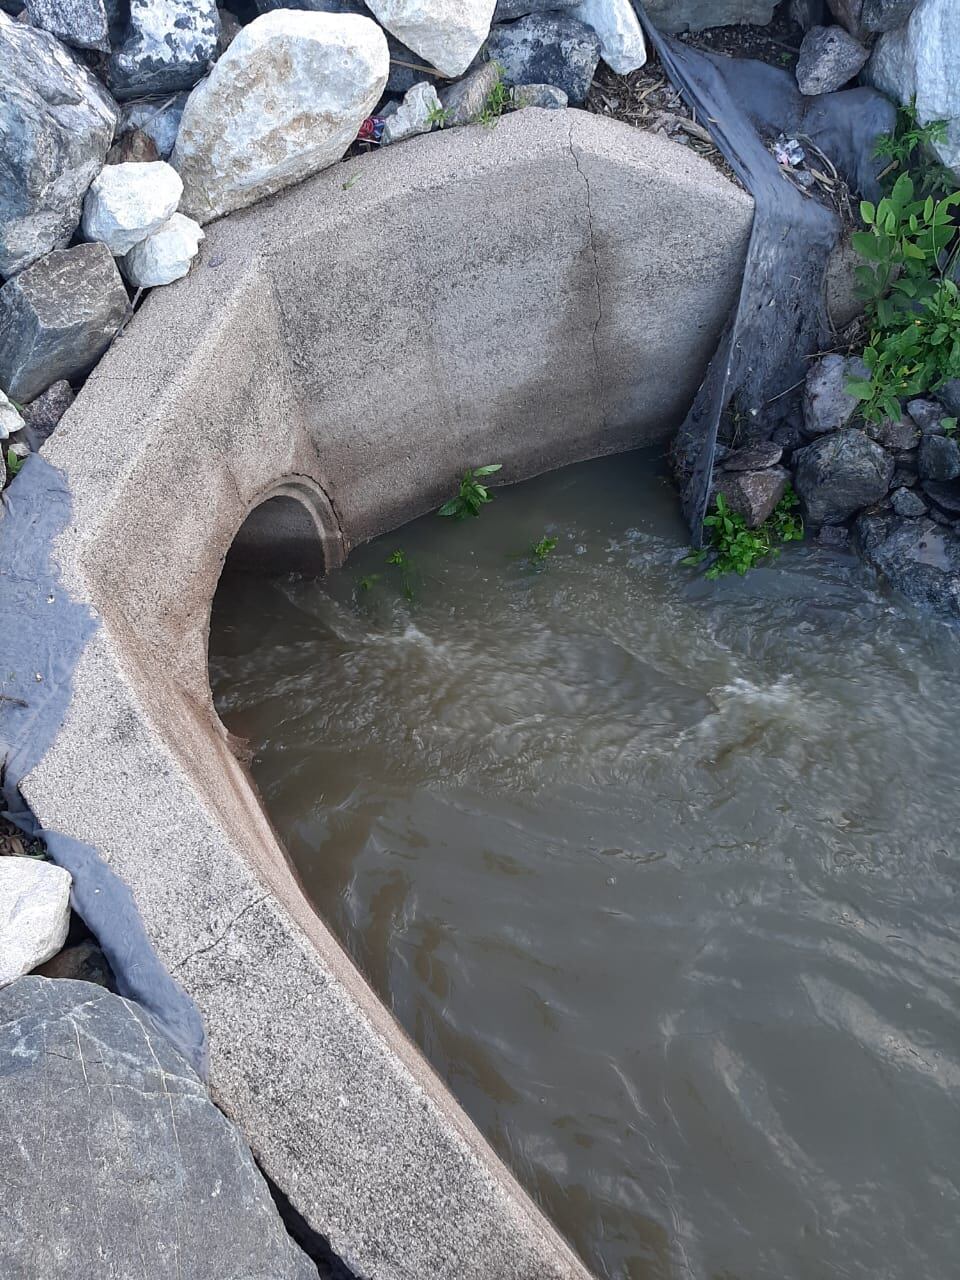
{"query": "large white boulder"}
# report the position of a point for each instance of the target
(34, 914)
(923, 58)
(285, 100)
(447, 33)
(126, 202)
(165, 255)
(622, 46)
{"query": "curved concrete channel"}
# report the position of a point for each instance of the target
(542, 292)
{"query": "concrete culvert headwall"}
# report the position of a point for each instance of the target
(533, 294)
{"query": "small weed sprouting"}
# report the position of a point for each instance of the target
(472, 495)
(539, 551)
(345, 186)
(14, 462)
(735, 548)
(400, 560)
(438, 117)
(908, 148)
(368, 581)
(498, 101)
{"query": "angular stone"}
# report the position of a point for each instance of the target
(921, 59)
(847, 13)
(465, 99)
(834, 536)
(165, 255)
(547, 48)
(897, 435)
(945, 494)
(622, 45)
(56, 123)
(754, 494)
(34, 916)
(507, 10)
(133, 147)
(927, 414)
(42, 415)
(697, 15)
(158, 119)
(885, 15)
(10, 419)
(416, 114)
(230, 28)
(754, 457)
(126, 202)
(58, 317)
(949, 393)
(169, 46)
(544, 96)
(919, 558)
(286, 100)
(829, 58)
(908, 504)
(104, 1103)
(938, 458)
(839, 474)
(840, 284)
(448, 33)
(826, 405)
(81, 23)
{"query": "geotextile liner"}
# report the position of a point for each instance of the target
(780, 316)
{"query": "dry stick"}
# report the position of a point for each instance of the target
(780, 394)
(418, 66)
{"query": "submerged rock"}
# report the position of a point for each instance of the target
(829, 58)
(286, 100)
(34, 915)
(919, 558)
(448, 33)
(547, 48)
(839, 474)
(118, 1161)
(127, 202)
(169, 46)
(56, 124)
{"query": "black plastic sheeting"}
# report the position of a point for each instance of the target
(780, 317)
(42, 635)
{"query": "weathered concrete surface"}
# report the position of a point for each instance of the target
(541, 292)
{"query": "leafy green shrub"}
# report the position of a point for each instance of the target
(472, 495)
(735, 548)
(498, 101)
(908, 150)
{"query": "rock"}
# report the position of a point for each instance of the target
(448, 33)
(544, 96)
(754, 457)
(133, 147)
(835, 536)
(922, 59)
(416, 114)
(406, 67)
(903, 478)
(840, 284)
(839, 474)
(898, 436)
(159, 120)
(57, 318)
(945, 494)
(949, 393)
(753, 494)
(465, 99)
(908, 504)
(788, 436)
(165, 255)
(919, 558)
(826, 405)
(286, 100)
(829, 58)
(927, 414)
(230, 28)
(42, 415)
(84, 962)
(141, 1174)
(57, 124)
(126, 202)
(10, 419)
(169, 46)
(622, 45)
(34, 915)
(885, 15)
(847, 13)
(808, 13)
(938, 458)
(547, 48)
(507, 10)
(81, 23)
(697, 15)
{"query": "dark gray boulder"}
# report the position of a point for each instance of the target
(56, 125)
(41, 416)
(81, 23)
(885, 15)
(507, 10)
(938, 458)
(908, 504)
(919, 558)
(169, 46)
(927, 414)
(547, 48)
(949, 393)
(465, 98)
(829, 58)
(115, 1161)
(57, 318)
(839, 474)
(898, 435)
(944, 494)
(826, 404)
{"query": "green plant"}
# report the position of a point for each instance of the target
(368, 581)
(472, 494)
(345, 186)
(949, 425)
(908, 149)
(400, 560)
(438, 117)
(14, 462)
(540, 550)
(497, 101)
(735, 548)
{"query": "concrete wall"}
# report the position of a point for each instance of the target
(540, 292)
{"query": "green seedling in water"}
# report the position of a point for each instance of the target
(472, 495)
(540, 550)
(369, 581)
(735, 548)
(400, 560)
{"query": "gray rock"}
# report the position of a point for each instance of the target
(415, 114)
(56, 123)
(118, 1163)
(81, 23)
(835, 536)
(169, 46)
(840, 284)
(128, 202)
(34, 916)
(808, 13)
(547, 48)
(908, 504)
(927, 414)
(847, 13)
(903, 477)
(315, 6)
(949, 393)
(42, 415)
(938, 458)
(133, 147)
(57, 318)
(788, 436)
(507, 10)
(545, 96)
(885, 15)
(919, 558)
(754, 457)
(826, 405)
(898, 435)
(230, 28)
(829, 58)
(945, 494)
(10, 419)
(465, 98)
(406, 67)
(754, 494)
(697, 15)
(158, 118)
(839, 474)
(84, 962)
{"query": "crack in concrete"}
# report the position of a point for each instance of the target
(596, 266)
(231, 924)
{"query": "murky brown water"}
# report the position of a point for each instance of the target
(661, 874)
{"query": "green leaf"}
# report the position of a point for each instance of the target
(450, 508)
(868, 212)
(488, 470)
